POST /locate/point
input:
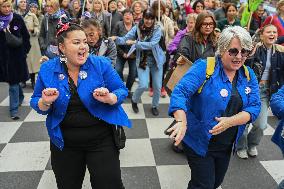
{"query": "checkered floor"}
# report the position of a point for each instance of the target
(147, 161)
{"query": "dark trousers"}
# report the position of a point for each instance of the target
(207, 172)
(69, 167)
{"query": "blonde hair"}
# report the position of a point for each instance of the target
(279, 4)
(102, 5)
(141, 4)
(5, 1)
(231, 32)
(191, 15)
(54, 3)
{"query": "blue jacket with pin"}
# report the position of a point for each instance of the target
(96, 72)
(201, 109)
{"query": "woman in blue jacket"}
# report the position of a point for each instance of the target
(150, 57)
(82, 97)
(277, 107)
(211, 121)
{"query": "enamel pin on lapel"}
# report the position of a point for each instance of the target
(247, 90)
(61, 76)
(83, 74)
(224, 93)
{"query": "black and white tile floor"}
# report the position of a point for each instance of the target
(147, 161)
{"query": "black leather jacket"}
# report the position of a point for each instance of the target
(276, 75)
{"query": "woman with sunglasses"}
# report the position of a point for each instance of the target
(270, 56)
(209, 122)
(81, 96)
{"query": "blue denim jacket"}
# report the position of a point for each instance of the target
(277, 107)
(158, 53)
(99, 74)
(201, 109)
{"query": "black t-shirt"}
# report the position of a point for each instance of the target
(224, 140)
(79, 127)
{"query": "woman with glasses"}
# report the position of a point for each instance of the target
(270, 56)
(210, 120)
(231, 19)
(202, 41)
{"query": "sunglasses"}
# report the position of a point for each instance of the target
(234, 52)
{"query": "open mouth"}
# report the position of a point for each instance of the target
(82, 55)
(235, 62)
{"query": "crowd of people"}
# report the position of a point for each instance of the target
(74, 53)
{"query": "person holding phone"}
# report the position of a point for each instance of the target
(81, 95)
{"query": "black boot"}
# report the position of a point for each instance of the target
(134, 107)
(32, 76)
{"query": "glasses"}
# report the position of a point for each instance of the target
(234, 52)
(205, 25)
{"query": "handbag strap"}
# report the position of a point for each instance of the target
(73, 87)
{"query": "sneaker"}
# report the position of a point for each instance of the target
(242, 154)
(134, 107)
(151, 92)
(155, 111)
(252, 152)
(163, 93)
(15, 118)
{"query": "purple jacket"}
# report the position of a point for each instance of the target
(173, 46)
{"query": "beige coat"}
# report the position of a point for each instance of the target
(168, 29)
(34, 55)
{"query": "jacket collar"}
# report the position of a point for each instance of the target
(60, 69)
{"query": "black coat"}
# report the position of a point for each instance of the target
(13, 65)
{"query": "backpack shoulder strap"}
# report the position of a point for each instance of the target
(210, 67)
(246, 72)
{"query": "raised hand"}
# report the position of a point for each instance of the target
(49, 95)
(103, 95)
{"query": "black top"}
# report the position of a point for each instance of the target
(79, 127)
(224, 140)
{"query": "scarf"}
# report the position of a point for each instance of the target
(55, 15)
(5, 20)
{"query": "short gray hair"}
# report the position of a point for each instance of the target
(231, 32)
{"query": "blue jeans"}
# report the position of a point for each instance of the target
(281, 185)
(252, 139)
(119, 66)
(143, 76)
(16, 98)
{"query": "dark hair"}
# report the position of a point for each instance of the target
(155, 6)
(228, 6)
(148, 14)
(198, 36)
(127, 10)
(91, 22)
(196, 2)
(62, 35)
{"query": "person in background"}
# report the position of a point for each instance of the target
(278, 19)
(216, 4)
(137, 8)
(99, 45)
(76, 11)
(198, 6)
(257, 19)
(34, 9)
(167, 26)
(220, 12)
(190, 21)
(64, 6)
(208, 5)
(81, 95)
(270, 56)
(231, 12)
(121, 6)
(47, 34)
(202, 42)
(120, 30)
(277, 107)
(187, 7)
(115, 16)
(145, 37)
(13, 53)
(210, 122)
(32, 25)
(101, 16)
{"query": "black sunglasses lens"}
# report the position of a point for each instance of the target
(245, 52)
(233, 52)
